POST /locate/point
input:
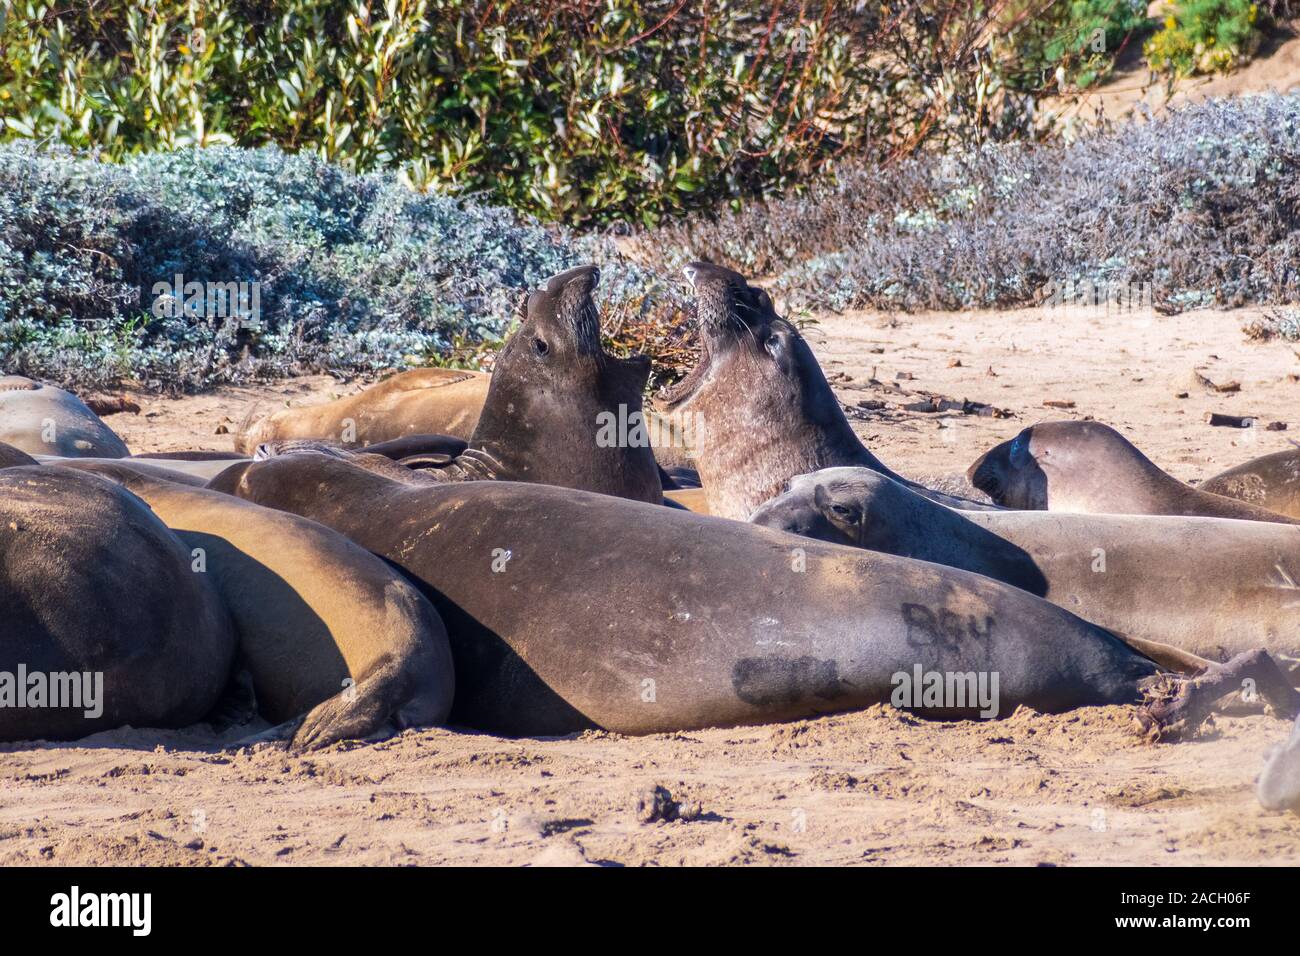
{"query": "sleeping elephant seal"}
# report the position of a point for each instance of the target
(1091, 468)
(554, 629)
(1279, 784)
(325, 628)
(1212, 587)
(1271, 482)
(558, 406)
(424, 400)
(762, 410)
(97, 596)
(44, 420)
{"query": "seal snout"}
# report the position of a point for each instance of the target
(983, 474)
(588, 275)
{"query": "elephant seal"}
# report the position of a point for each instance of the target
(558, 406)
(421, 401)
(44, 420)
(1271, 482)
(1091, 468)
(185, 471)
(325, 628)
(555, 628)
(11, 456)
(764, 411)
(1212, 587)
(1279, 784)
(411, 406)
(96, 592)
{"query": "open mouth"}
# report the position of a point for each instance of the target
(719, 319)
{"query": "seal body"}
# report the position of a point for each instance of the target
(325, 628)
(93, 585)
(756, 406)
(1091, 468)
(44, 420)
(568, 610)
(1271, 482)
(1214, 587)
(424, 400)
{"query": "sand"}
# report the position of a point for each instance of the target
(876, 787)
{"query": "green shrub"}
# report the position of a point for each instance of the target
(1205, 36)
(576, 111)
(1083, 44)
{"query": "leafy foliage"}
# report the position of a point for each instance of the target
(1084, 42)
(1204, 205)
(1205, 36)
(355, 273)
(577, 111)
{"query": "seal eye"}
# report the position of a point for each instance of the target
(774, 345)
(540, 346)
(843, 511)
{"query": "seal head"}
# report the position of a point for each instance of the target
(1090, 468)
(552, 388)
(764, 409)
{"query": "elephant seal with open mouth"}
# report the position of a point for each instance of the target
(44, 420)
(568, 610)
(757, 406)
(1091, 468)
(1212, 587)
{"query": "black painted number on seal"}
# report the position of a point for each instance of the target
(945, 629)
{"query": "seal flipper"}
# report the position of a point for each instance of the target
(368, 709)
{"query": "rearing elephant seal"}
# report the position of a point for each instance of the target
(325, 628)
(102, 622)
(568, 610)
(1209, 586)
(757, 406)
(1091, 468)
(44, 420)
(555, 405)
(1271, 482)
(424, 400)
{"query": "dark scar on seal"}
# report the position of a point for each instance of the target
(763, 681)
(944, 628)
